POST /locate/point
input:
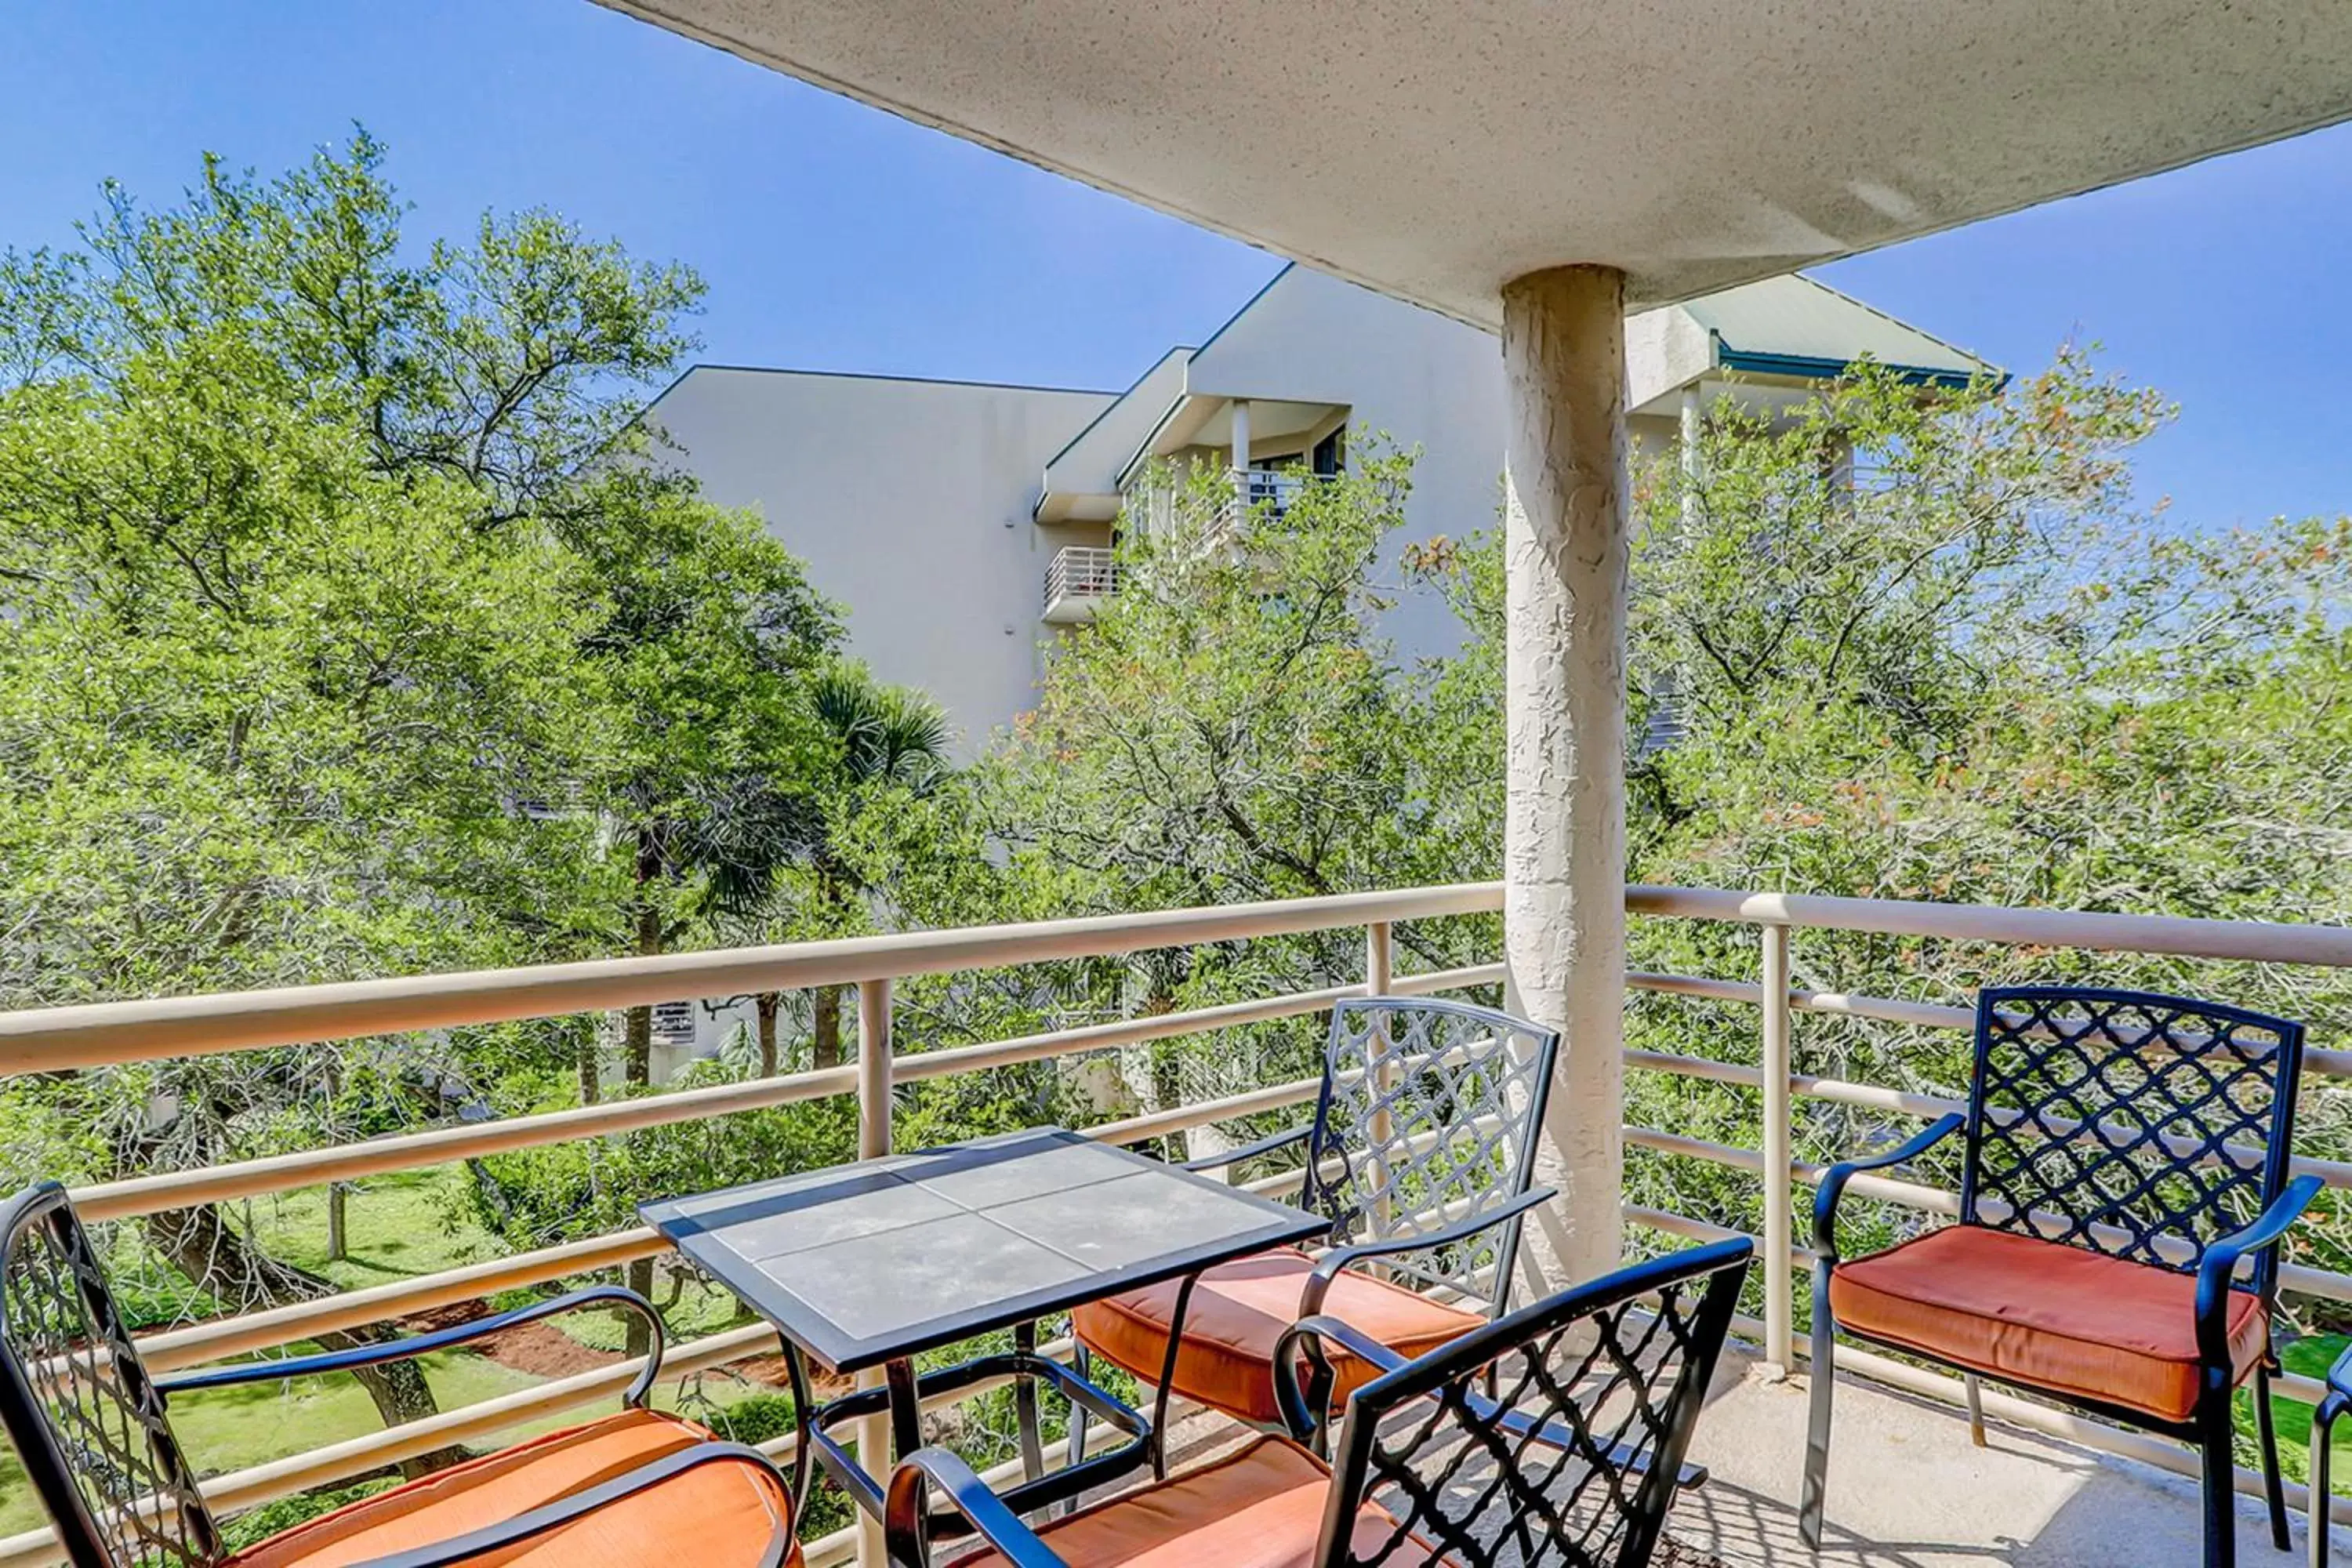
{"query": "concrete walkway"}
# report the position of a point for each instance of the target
(1908, 1489)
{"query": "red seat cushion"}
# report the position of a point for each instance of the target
(715, 1516)
(1261, 1507)
(1238, 1312)
(2045, 1314)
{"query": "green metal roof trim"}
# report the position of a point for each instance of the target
(1796, 326)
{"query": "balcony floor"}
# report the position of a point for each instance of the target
(1908, 1489)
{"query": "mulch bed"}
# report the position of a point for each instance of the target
(1670, 1555)
(541, 1349)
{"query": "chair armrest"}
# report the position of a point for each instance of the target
(906, 1506)
(2220, 1262)
(1833, 1180)
(1300, 1341)
(539, 1520)
(1247, 1151)
(1330, 1267)
(1304, 1411)
(441, 1339)
(2339, 1397)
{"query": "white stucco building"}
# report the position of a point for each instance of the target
(960, 523)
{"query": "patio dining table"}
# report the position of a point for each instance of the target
(871, 1265)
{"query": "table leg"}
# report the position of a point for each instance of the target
(804, 1428)
(1024, 1406)
(1166, 1378)
(906, 1411)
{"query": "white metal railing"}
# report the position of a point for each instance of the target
(1275, 489)
(67, 1038)
(1081, 571)
(1160, 505)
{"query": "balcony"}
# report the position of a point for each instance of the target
(1907, 1489)
(1079, 578)
(1160, 506)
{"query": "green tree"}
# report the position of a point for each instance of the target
(1235, 725)
(704, 657)
(343, 631)
(891, 746)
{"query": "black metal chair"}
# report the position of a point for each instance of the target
(1420, 1152)
(1555, 1434)
(2123, 1187)
(2330, 1410)
(90, 1428)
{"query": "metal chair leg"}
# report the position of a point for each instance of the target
(2322, 1434)
(2273, 1489)
(2220, 1490)
(1975, 1386)
(1810, 1504)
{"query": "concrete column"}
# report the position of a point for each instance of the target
(1242, 436)
(1566, 544)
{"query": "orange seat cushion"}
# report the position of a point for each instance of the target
(2045, 1314)
(715, 1516)
(1261, 1507)
(1238, 1312)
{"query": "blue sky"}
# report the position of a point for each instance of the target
(836, 237)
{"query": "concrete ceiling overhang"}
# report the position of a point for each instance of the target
(1435, 149)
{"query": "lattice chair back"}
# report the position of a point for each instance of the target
(78, 1406)
(2138, 1125)
(1428, 1115)
(1572, 1461)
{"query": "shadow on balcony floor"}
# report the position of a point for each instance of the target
(1908, 1489)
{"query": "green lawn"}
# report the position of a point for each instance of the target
(2312, 1357)
(229, 1428)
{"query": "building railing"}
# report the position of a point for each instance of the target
(1160, 503)
(1275, 489)
(1081, 571)
(67, 1038)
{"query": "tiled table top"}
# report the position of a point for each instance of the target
(863, 1264)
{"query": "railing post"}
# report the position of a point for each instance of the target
(873, 1143)
(1779, 1289)
(1379, 974)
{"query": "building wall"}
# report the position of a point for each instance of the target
(1417, 377)
(910, 500)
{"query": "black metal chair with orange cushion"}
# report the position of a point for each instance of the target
(1555, 1434)
(2123, 1187)
(90, 1428)
(1420, 1154)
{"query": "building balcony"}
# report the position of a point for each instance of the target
(1160, 508)
(1908, 1487)
(1078, 581)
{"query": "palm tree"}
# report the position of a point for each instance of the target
(889, 736)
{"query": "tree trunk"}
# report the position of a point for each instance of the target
(641, 1281)
(637, 1053)
(223, 1264)
(591, 1066)
(764, 1006)
(824, 1028)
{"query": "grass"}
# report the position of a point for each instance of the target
(2311, 1356)
(229, 1428)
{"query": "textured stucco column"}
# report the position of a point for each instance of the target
(1564, 827)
